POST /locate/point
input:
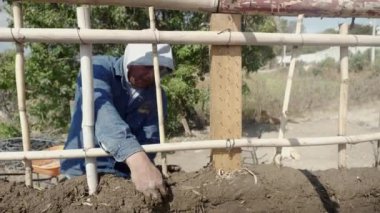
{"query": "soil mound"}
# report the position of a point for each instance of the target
(276, 190)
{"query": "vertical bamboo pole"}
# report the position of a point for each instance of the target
(20, 82)
(283, 63)
(373, 51)
(226, 95)
(288, 88)
(343, 98)
(158, 92)
(83, 18)
(377, 163)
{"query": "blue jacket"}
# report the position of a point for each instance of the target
(125, 119)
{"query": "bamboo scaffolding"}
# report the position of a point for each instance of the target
(20, 83)
(288, 89)
(373, 50)
(378, 149)
(196, 145)
(83, 17)
(346, 8)
(94, 36)
(343, 101)
(157, 80)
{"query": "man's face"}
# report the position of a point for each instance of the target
(141, 76)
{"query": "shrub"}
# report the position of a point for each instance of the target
(8, 130)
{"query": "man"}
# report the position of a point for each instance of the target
(125, 116)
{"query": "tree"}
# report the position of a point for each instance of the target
(9, 122)
(192, 63)
(255, 57)
(183, 95)
(330, 31)
(355, 29)
(8, 101)
(358, 29)
(51, 69)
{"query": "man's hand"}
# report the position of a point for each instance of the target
(145, 176)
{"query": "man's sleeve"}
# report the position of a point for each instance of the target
(112, 133)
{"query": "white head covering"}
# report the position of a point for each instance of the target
(141, 54)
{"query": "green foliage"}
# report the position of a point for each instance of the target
(114, 17)
(326, 66)
(328, 63)
(255, 57)
(358, 29)
(182, 94)
(311, 49)
(51, 69)
(359, 61)
(8, 131)
(330, 31)
(196, 55)
(8, 102)
(191, 60)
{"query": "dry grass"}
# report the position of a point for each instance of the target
(310, 91)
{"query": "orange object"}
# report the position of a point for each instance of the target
(47, 166)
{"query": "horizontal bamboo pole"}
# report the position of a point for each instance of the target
(330, 8)
(195, 145)
(50, 35)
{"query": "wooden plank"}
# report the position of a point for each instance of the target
(226, 94)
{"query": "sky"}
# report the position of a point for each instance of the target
(3, 23)
(316, 25)
(312, 25)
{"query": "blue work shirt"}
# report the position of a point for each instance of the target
(125, 119)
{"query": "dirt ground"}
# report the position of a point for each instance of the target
(312, 183)
(276, 190)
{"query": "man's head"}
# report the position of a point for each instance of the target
(138, 63)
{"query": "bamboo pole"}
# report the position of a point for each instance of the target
(343, 99)
(58, 35)
(20, 83)
(158, 93)
(288, 88)
(83, 18)
(196, 145)
(373, 50)
(346, 8)
(377, 163)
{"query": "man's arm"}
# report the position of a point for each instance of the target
(148, 134)
(145, 175)
(115, 137)
(113, 134)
